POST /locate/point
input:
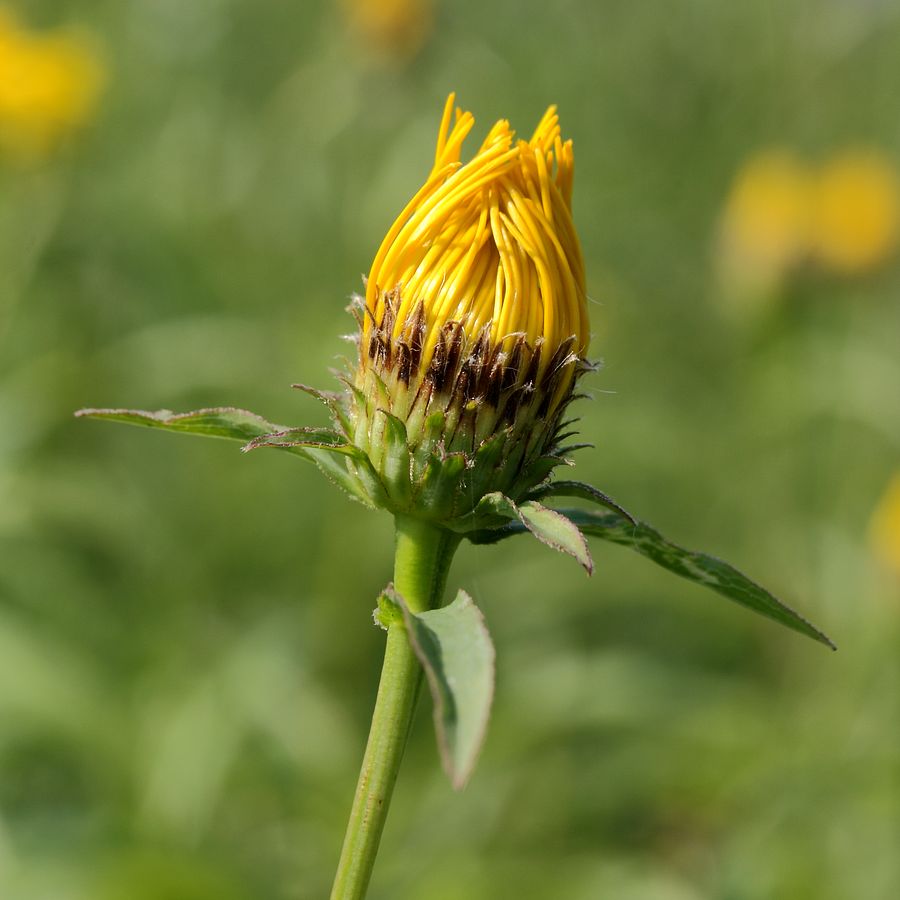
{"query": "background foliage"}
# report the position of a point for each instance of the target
(187, 657)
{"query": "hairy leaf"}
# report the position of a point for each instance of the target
(312, 444)
(302, 438)
(698, 567)
(582, 491)
(547, 525)
(457, 654)
(221, 421)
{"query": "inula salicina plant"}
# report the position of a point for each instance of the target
(454, 418)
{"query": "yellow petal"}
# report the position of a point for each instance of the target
(489, 243)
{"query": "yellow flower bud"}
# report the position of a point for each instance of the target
(489, 244)
(474, 323)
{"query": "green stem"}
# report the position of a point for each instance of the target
(422, 559)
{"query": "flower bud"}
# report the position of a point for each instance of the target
(474, 324)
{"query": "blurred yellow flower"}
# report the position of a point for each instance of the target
(395, 30)
(857, 212)
(765, 227)
(843, 217)
(49, 84)
(884, 528)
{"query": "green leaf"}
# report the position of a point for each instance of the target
(547, 525)
(222, 421)
(333, 400)
(321, 445)
(553, 529)
(582, 491)
(457, 654)
(367, 491)
(698, 567)
(311, 444)
(302, 439)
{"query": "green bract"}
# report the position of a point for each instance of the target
(474, 418)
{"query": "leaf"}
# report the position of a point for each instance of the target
(547, 525)
(698, 567)
(222, 421)
(294, 438)
(312, 444)
(333, 400)
(457, 654)
(318, 445)
(583, 491)
(349, 481)
(555, 530)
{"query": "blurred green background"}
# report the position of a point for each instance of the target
(187, 657)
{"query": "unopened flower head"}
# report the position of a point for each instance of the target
(475, 321)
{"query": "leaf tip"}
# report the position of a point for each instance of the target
(823, 638)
